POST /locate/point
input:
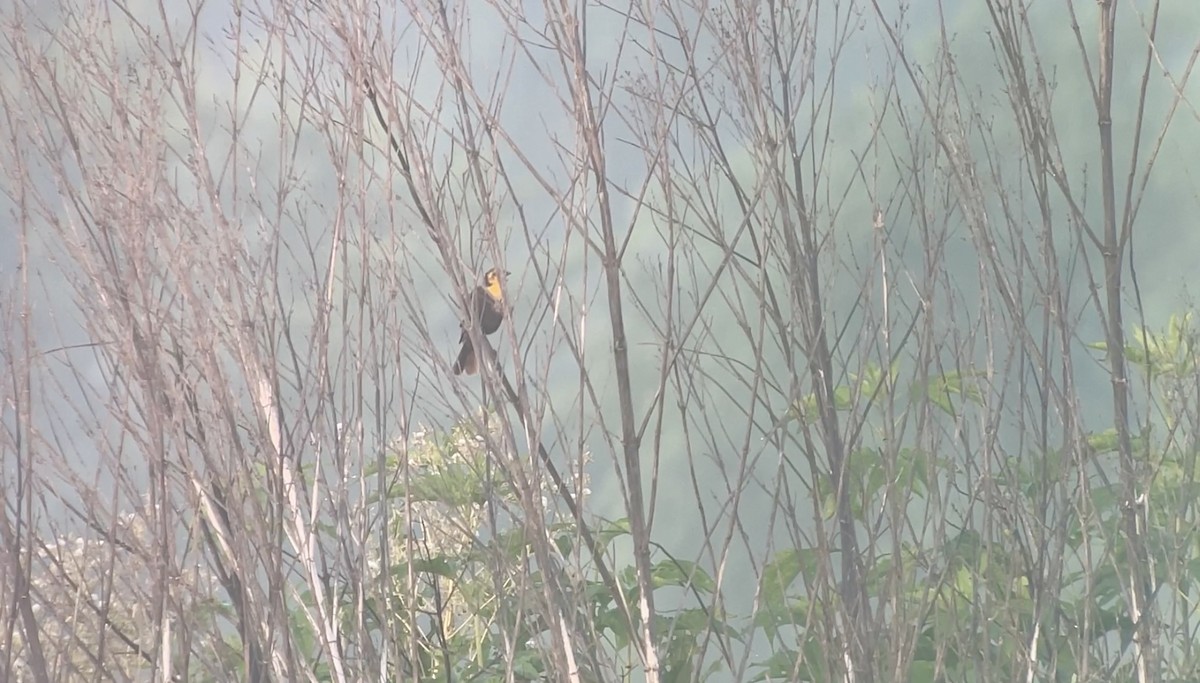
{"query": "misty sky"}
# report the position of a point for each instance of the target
(1167, 236)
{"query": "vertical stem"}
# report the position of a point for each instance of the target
(590, 124)
(1113, 251)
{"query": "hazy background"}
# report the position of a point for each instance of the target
(384, 229)
(306, 200)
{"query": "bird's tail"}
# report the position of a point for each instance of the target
(467, 361)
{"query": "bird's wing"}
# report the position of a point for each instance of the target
(476, 307)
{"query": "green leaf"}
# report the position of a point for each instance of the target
(779, 574)
(605, 532)
(842, 399)
(681, 573)
(438, 565)
(772, 617)
(1103, 442)
(528, 665)
(921, 670)
(944, 391)
(780, 666)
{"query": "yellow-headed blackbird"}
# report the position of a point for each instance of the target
(487, 310)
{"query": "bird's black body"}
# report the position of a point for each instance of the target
(487, 310)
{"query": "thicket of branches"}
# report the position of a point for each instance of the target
(827, 355)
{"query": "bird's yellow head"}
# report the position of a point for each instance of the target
(491, 282)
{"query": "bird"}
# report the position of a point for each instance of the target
(486, 310)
